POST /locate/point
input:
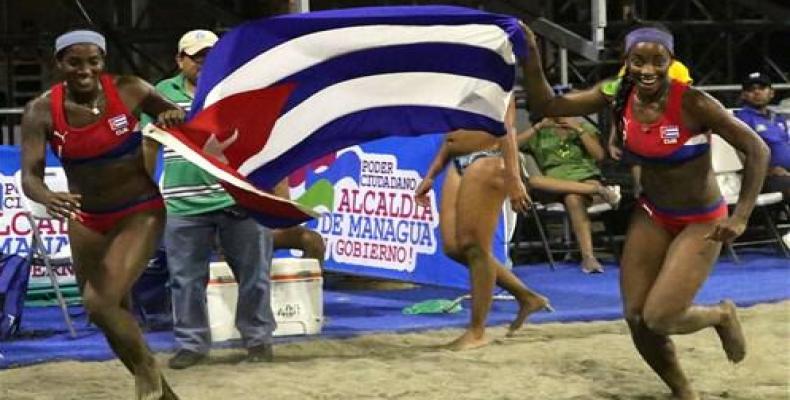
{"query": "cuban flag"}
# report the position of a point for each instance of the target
(275, 94)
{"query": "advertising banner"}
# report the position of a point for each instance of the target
(15, 233)
(370, 222)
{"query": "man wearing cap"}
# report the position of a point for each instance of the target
(198, 212)
(757, 94)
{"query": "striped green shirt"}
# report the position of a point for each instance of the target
(187, 189)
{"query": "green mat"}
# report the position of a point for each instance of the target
(442, 306)
(434, 306)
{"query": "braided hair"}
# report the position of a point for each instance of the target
(618, 107)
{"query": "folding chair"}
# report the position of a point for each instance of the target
(531, 167)
(55, 178)
(727, 166)
(514, 221)
(568, 242)
(557, 209)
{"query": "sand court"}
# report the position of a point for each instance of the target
(557, 361)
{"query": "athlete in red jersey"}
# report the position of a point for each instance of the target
(115, 210)
(115, 134)
(668, 141)
(676, 235)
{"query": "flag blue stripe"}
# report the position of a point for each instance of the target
(423, 57)
(247, 41)
(368, 125)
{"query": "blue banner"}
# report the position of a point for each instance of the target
(370, 222)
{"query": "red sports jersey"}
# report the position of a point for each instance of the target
(666, 140)
(114, 134)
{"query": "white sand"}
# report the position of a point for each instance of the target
(577, 361)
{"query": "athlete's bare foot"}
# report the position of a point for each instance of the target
(590, 265)
(148, 383)
(526, 306)
(468, 341)
(731, 333)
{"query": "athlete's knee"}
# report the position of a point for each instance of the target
(97, 306)
(454, 253)
(633, 317)
(659, 321)
(472, 250)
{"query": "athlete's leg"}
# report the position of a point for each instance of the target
(645, 248)
(108, 281)
(447, 215)
(298, 237)
(479, 204)
(669, 309)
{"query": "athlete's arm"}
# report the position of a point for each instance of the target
(540, 96)
(437, 165)
(709, 113)
(281, 189)
(35, 126)
(149, 101)
(165, 112)
(514, 186)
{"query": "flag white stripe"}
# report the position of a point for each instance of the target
(305, 51)
(162, 136)
(428, 89)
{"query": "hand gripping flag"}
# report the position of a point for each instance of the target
(275, 94)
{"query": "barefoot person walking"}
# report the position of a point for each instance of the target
(483, 174)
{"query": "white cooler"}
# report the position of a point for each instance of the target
(297, 298)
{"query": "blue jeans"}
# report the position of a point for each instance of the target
(247, 247)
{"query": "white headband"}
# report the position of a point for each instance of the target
(83, 36)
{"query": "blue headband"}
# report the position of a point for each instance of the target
(80, 37)
(651, 35)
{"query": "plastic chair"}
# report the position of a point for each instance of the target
(727, 166)
(55, 178)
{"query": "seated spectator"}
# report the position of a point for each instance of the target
(298, 237)
(567, 150)
(757, 94)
